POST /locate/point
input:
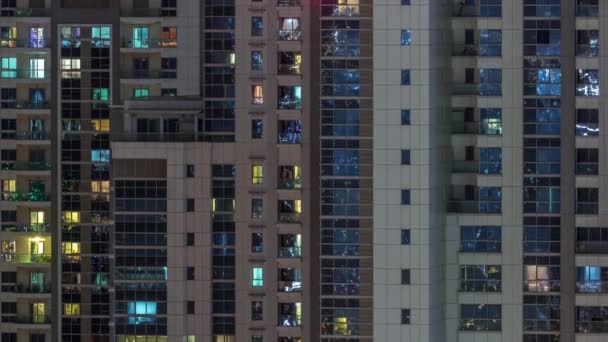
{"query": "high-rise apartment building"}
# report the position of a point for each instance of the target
(301, 171)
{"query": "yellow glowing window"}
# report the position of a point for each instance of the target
(36, 246)
(9, 36)
(223, 338)
(71, 216)
(70, 247)
(100, 186)
(71, 309)
(70, 68)
(9, 185)
(297, 206)
(341, 326)
(38, 313)
(100, 125)
(257, 93)
(169, 36)
(37, 217)
(257, 174)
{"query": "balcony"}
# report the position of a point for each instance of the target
(463, 10)
(25, 43)
(290, 320)
(592, 286)
(25, 196)
(141, 12)
(289, 218)
(465, 166)
(147, 74)
(288, 3)
(592, 247)
(25, 105)
(290, 252)
(157, 137)
(477, 89)
(474, 207)
(25, 74)
(25, 12)
(22, 258)
(26, 135)
(22, 288)
(587, 10)
(476, 127)
(290, 183)
(290, 69)
(26, 228)
(148, 44)
(477, 50)
(26, 166)
(29, 319)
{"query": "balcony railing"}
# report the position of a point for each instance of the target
(148, 44)
(290, 286)
(290, 252)
(290, 69)
(465, 166)
(592, 286)
(290, 320)
(476, 127)
(157, 137)
(33, 319)
(147, 74)
(480, 89)
(26, 228)
(462, 10)
(25, 105)
(28, 74)
(25, 196)
(26, 12)
(20, 258)
(592, 247)
(482, 50)
(288, 3)
(140, 12)
(471, 207)
(290, 35)
(587, 10)
(25, 135)
(26, 166)
(25, 43)
(290, 183)
(289, 218)
(587, 50)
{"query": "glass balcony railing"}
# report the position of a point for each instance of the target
(474, 207)
(26, 228)
(290, 252)
(479, 89)
(147, 74)
(290, 320)
(290, 183)
(26, 12)
(488, 11)
(25, 196)
(25, 105)
(290, 286)
(290, 69)
(20, 258)
(476, 127)
(28, 74)
(289, 218)
(481, 50)
(33, 319)
(26, 135)
(592, 286)
(288, 3)
(26, 166)
(465, 166)
(24, 43)
(148, 43)
(587, 10)
(592, 247)
(157, 137)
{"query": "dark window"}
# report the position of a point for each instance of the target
(190, 307)
(189, 239)
(257, 242)
(405, 117)
(9, 337)
(405, 316)
(405, 197)
(168, 92)
(405, 157)
(405, 236)
(405, 77)
(406, 2)
(190, 273)
(257, 26)
(257, 311)
(189, 170)
(257, 129)
(405, 277)
(36, 338)
(190, 204)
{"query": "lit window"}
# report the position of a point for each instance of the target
(102, 156)
(37, 37)
(71, 216)
(39, 313)
(257, 174)
(257, 61)
(100, 125)
(70, 247)
(405, 77)
(257, 93)
(36, 246)
(141, 38)
(406, 37)
(141, 308)
(8, 67)
(70, 68)
(37, 217)
(100, 94)
(341, 326)
(100, 186)
(257, 277)
(101, 32)
(71, 309)
(8, 36)
(37, 68)
(141, 92)
(9, 185)
(169, 36)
